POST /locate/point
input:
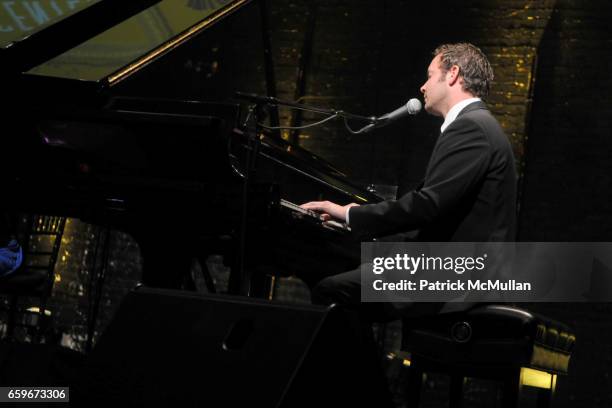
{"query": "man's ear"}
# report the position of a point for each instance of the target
(452, 75)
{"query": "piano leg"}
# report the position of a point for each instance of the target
(167, 251)
(163, 265)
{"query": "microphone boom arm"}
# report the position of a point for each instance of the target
(412, 107)
(270, 100)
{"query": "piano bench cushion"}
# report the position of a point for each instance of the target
(491, 336)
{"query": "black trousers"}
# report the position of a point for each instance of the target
(344, 290)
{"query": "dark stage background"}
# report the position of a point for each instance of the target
(552, 95)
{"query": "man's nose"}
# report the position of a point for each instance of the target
(423, 89)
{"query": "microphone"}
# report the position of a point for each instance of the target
(412, 107)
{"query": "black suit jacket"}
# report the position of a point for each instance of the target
(469, 191)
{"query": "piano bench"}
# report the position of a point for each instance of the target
(494, 342)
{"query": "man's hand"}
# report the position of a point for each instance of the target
(328, 209)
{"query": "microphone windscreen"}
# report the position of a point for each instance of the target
(414, 106)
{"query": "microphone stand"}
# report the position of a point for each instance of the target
(252, 148)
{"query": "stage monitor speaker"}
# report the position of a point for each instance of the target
(172, 347)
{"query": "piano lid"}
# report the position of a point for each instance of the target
(118, 52)
(34, 31)
(21, 19)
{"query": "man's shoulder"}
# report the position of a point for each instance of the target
(470, 122)
(475, 112)
(481, 118)
(489, 129)
(477, 125)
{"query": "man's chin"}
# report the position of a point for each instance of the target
(431, 110)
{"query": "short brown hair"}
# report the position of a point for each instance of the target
(474, 67)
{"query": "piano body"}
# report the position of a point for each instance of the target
(168, 171)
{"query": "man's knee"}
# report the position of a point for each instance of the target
(335, 289)
(322, 292)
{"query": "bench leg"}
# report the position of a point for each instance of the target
(456, 391)
(512, 391)
(415, 383)
(544, 398)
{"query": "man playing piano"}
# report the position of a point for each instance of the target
(469, 190)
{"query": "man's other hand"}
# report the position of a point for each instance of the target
(329, 210)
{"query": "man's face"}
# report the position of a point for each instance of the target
(435, 88)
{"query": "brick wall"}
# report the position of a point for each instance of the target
(567, 190)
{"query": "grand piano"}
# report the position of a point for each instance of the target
(96, 130)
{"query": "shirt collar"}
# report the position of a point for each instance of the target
(454, 111)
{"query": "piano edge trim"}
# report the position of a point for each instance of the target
(124, 72)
